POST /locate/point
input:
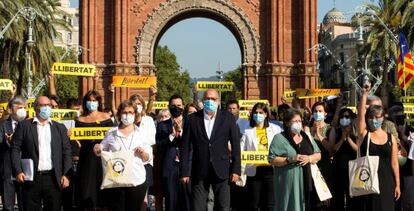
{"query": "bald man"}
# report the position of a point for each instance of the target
(207, 133)
(46, 144)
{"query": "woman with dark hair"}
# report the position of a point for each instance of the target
(190, 108)
(89, 168)
(385, 146)
(344, 150)
(320, 132)
(259, 183)
(127, 136)
(291, 153)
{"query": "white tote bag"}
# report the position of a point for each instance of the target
(363, 174)
(319, 182)
(117, 169)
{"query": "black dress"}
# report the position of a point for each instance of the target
(90, 170)
(385, 200)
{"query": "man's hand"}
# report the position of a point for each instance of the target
(111, 88)
(9, 137)
(64, 182)
(185, 180)
(235, 177)
(20, 178)
(366, 88)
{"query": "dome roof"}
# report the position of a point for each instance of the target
(334, 16)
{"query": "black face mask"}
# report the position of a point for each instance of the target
(400, 119)
(175, 111)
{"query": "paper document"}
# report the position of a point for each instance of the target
(28, 169)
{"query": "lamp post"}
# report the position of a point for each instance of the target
(29, 14)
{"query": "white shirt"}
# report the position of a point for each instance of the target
(209, 123)
(411, 153)
(44, 139)
(115, 141)
(14, 124)
(148, 124)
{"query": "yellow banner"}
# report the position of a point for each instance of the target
(3, 106)
(73, 69)
(134, 81)
(244, 114)
(88, 133)
(219, 86)
(408, 109)
(6, 84)
(57, 114)
(254, 157)
(251, 103)
(315, 93)
(407, 100)
(158, 105)
(289, 95)
(30, 103)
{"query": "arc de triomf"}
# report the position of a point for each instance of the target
(273, 36)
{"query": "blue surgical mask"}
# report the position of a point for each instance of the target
(92, 105)
(374, 124)
(259, 118)
(45, 112)
(318, 116)
(210, 105)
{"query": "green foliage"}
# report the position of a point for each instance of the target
(67, 86)
(14, 53)
(170, 80)
(234, 76)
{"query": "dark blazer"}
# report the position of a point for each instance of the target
(168, 149)
(25, 141)
(5, 162)
(213, 150)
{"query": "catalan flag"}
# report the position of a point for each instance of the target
(405, 64)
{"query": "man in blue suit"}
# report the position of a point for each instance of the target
(169, 139)
(207, 133)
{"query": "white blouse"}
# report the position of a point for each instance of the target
(115, 141)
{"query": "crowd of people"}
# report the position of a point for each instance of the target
(186, 155)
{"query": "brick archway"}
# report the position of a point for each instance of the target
(273, 35)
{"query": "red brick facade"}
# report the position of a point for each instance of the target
(274, 36)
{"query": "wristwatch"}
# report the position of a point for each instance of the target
(289, 160)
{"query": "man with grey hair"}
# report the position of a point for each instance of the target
(207, 133)
(9, 188)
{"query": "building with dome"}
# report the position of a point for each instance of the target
(340, 37)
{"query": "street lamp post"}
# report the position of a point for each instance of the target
(29, 14)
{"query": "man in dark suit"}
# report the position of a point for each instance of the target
(169, 133)
(9, 188)
(207, 133)
(46, 143)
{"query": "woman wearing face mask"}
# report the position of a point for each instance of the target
(89, 166)
(291, 153)
(259, 177)
(146, 123)
(320, 133)
(383, 145)
(344, 150)
(127, 136)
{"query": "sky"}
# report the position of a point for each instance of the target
(202, 44)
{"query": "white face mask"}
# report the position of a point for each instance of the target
(296, 127)
(345, 121)
(127, 119)
(139, 108)
(21, 114)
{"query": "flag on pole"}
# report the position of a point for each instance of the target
(405, 64)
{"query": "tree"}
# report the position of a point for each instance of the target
(234, 76)
(14, 53)
(380, 44)
(170, 80)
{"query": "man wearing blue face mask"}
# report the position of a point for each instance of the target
(207, 133)
(45, 143)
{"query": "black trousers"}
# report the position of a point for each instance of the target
(177, 194)
(221, 189)
(43, 190)
(126, 199)
(9, 190)
(260, 190)
(238, 197)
